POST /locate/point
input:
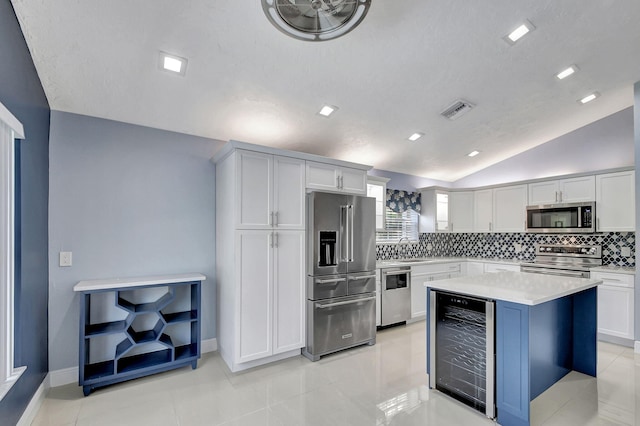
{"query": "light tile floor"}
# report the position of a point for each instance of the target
(383, 384)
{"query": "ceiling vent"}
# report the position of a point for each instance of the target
(315, 20)
(458, 109)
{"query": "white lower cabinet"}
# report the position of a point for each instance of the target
(474, 268)
(615, 304)
(423, 273)
(269, 294)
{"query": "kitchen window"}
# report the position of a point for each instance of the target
(399, 225)
(10, 129)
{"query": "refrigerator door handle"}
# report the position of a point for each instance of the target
(350, 230)
(344, 234)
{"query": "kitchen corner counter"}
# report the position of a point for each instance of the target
(517, 287)
(615, 269)
(434, 260)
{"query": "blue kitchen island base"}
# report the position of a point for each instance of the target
(538, 341)
(538, 345)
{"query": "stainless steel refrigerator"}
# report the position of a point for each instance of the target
(341, 269)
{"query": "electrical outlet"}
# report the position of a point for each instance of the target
(65, 258)
(517, 247)
(625, 251)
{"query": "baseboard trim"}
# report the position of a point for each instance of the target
(63, 377)
(209, 345)
(37, 399)
(636, 347)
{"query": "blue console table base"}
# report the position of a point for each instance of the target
(130, 358)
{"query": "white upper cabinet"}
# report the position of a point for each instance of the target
(571, 190)
(377, 188)
(329, 177)
(271, 191)
(615, 202)
(461, 211)
(434, 210)
(509, 208)
(483, 210)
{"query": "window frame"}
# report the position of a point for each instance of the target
(10, 130)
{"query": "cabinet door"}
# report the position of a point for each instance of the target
(461, 211)
(253, 295)
(615, 311)
(288, 287)
(578, 189)
(418, 295)
(615, 202)
(483, 210)
(353, 181)
(475, 268)
(509, 206)
(322, 176)
(254, 202)
(378, 189)
(288, 193)
(543, 192)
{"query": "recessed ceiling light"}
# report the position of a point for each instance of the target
(515, 35)
(327, 110)
(589, 98)
(566, 72)
(473, 153)
(172, 63)
(414, 137)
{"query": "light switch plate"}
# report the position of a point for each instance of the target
(625, 251)
(65, 258)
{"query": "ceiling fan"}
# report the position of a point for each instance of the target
(315, 20)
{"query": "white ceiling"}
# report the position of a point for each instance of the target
(390, 77)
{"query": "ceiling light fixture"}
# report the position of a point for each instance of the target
(172, 63)
(315, 20)
(327, 110)
(566, 72)
(589, 98)
(515, 35)
(414, 137)
(473, 153)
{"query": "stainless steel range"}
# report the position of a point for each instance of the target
(565, 260)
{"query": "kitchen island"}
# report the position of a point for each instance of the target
(545, 326)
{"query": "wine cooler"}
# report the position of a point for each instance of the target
(462, 349)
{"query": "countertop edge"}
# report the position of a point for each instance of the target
(113, 283)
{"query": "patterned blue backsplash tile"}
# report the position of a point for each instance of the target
(510, 246)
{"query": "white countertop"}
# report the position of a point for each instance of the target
(518, 287)
(430, 260)
(113, 283)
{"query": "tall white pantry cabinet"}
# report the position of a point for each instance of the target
(260, 247)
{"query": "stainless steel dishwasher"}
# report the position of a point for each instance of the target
(395, 297)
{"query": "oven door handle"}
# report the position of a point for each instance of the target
(346, 302)
(553, 272)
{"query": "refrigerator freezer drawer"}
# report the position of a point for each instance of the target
(364, 282)
(340, 323)
(326, 287)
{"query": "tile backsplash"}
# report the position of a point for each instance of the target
(510, 246)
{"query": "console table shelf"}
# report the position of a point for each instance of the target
(143, 349)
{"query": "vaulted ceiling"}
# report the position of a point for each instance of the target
(390, 77)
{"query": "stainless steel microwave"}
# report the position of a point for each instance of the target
(562, 218)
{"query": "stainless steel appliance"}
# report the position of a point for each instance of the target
(564, 260)
(562, 218)
(395, 297)
(341, 269)
(462, 349)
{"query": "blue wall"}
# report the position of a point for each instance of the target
(22, 93)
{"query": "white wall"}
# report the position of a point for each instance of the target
(603, 144)
(127, 201)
